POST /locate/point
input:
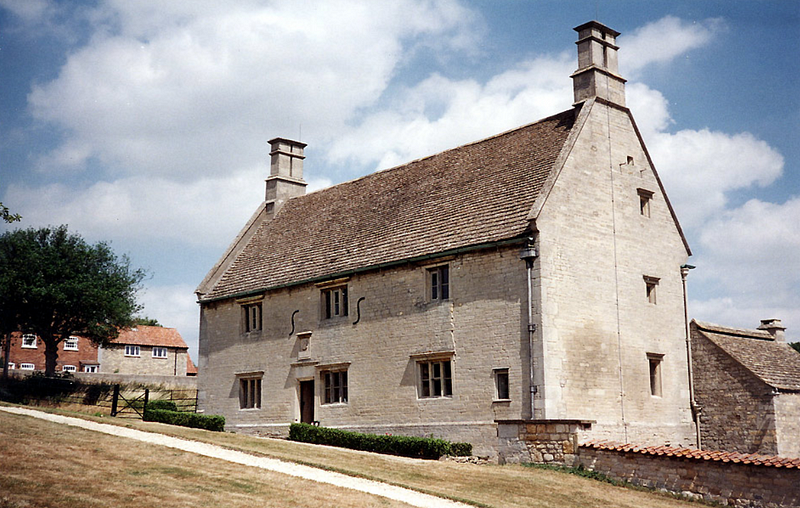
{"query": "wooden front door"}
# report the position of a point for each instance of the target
(307, 401)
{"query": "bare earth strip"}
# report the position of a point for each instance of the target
(410, 497)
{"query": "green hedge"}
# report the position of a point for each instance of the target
(194, 420)
(162, 404)
(419, 447)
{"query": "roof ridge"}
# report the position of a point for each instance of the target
(729, 330)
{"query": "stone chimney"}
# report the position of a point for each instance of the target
(775, 328)
(285, 179)
(598, 72)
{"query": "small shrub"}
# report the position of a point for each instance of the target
(407, 446)
(162, 404)
(194, 420)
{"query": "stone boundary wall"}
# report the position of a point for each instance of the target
(728, 483)
(538, 441)
(172, 382)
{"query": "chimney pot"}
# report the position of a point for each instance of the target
(775, 328)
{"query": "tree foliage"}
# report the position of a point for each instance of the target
(146, 321)
(6, 214)
(54, 284)
(795, 346)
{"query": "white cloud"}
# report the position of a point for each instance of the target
(747, 313)
(650, 109)
(663, 40)
(440, 113)
(30, 11)
(700, 168)
(758, 242)
(198, 87)
(207, 212)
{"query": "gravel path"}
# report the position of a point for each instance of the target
(410, 497)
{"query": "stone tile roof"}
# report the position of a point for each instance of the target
(775, 363)
(692, 453)
(474, 194)
(151, 336)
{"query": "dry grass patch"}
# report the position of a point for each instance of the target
(45, 464)
(488, 486)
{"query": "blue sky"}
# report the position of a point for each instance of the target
(146, 123)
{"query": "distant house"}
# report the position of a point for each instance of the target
(147, 350)
(533, 276)
(76, 354)
(747, 384)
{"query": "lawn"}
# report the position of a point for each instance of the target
(82, 459)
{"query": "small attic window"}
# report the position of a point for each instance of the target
(630, 161)
(650, 284)
(645, 197)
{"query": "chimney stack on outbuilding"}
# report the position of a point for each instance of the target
(598, 71)
(285, 179)
(775, 328)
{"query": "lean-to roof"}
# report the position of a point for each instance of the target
(775, 363)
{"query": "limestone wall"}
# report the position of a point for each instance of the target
(114, 361)
(787, 425)
(480, 328)
(597, 324)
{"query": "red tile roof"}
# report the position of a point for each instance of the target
(694, 454)
(475, 194)
(151, 336)
(775, 363)
(191, 369)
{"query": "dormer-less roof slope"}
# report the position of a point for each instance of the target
(475, 194)
(151, 336)
(775, 363)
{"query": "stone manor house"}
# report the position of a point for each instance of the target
(536, 275)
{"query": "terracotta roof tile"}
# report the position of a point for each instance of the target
(151, 336)
(775, 363)
(692, 453)
(191, 368)
(471, 195)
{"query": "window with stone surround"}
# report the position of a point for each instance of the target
(654, 361)
(132, 351)
(334, 302)
(159, 352)
(645, 197)
(334, 382)
(501, 390)
(435, 378)
(29, 341)
(27, 366)
(250, 391)
(439, 283)
(251, 317)
(71, 344)
(69, 368)
(650, 284)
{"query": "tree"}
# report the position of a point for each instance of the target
(54, 284)
(146, 321)
(795, 346)
(7, 216)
